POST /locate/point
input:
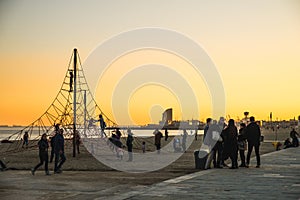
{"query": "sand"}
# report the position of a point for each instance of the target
(28, 158)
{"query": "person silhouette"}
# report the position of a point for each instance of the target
(129, 145)
(294, 135)
(43, 154)
(102, 125)
(157, 140)
(253, 135)
(59, 151)
(242, 144)
(25, 139)
(71, 80)
(166, 134)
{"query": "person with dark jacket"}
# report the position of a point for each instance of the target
(59, 151)
(208, 123)
(102, 126)
(287, 143)
(166, 134)
(242, 144)
(129, 145)
(294, 135)
(216, 143)
(25, 139)
(43, 154)
(230, 135)
(253, 135)
(157, 140)
(222, 125)
(52, 141)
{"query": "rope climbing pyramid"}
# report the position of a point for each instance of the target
(74, 109)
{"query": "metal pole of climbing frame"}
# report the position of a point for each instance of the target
(74, 103)
(84, 101)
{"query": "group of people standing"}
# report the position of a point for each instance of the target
(226, 141)
(57, 151)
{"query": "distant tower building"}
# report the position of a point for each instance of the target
(167, 116)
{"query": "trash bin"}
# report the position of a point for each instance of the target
(197, 159)
(200, 160)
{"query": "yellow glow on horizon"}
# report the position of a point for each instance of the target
(255, 45)
(133, 60)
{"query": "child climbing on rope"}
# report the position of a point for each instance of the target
(71, 80)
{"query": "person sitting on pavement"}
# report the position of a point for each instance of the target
(294, 135)
(287, 143)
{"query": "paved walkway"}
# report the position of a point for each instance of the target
(278, 178)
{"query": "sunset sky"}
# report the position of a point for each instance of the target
(255, 46)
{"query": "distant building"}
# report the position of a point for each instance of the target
(167, 116)
(168, 122)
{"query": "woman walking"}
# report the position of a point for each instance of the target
(43, 154)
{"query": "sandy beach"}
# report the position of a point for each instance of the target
(83, 162)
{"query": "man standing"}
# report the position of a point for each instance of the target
(208, 122)
(253, 137)
(25, 139)
(166, 134)
(217, 144)
(102, 125)
(129, 144)
(59, 143)
(157, 137)
(52, 141)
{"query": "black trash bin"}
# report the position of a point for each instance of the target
(197, 160)
(200, 163)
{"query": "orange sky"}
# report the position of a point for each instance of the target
(255, 46)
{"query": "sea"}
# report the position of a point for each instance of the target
(6, 132)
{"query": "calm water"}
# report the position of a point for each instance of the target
(8, 131)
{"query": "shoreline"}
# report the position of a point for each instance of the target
(85, 162)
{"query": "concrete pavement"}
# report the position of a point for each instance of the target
(278, 178)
